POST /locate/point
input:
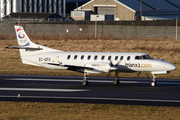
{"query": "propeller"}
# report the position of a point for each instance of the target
(113, 67)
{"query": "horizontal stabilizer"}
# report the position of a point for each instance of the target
(27, 48)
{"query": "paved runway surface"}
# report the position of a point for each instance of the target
(69, 89)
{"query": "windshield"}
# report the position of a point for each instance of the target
(143, 57)
(147, 57)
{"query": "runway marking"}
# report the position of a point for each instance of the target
(89, 98)
(51, 90)
(65, 80)
(100, 81)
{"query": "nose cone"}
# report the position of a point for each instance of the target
(170, 67)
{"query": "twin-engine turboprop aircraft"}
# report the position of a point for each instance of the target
(88, 62)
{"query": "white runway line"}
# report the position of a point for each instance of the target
(93, 98)
(29, 79)
(65, 80)
(50, 90)
(100, 81)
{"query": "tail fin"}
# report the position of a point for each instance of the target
(26, 46)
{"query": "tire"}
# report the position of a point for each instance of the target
(153, 84)
(85, 83)
(116, 82)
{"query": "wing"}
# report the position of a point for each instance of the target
(73, 67)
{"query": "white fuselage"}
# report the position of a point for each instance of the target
(100, 61)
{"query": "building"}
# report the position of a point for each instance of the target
(120, 9)
(34, 17)
(128, 9)
(33, 6)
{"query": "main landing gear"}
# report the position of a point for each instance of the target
(116, 81)
(154, 83)
(85, 82)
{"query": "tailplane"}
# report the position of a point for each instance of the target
(26, 46)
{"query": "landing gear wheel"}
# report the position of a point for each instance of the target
(85, 83)
(116, 82)
(153, 84)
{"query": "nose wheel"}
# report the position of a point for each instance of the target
(154, 83)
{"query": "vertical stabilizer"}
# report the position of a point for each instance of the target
(24, 42)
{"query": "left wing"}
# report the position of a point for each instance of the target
(72, 67)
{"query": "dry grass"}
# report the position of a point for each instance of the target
(69, 111)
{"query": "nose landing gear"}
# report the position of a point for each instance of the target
(154, 83)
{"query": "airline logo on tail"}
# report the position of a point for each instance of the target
(20, 28)
(21, 36)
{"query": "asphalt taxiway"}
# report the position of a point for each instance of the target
(69, 89)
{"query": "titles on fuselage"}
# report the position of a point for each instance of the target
(98, 65)
(138, 65)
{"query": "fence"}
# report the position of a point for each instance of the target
(104, 31)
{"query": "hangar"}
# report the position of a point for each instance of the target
(105, 9)
(128, 9)
(60, 7)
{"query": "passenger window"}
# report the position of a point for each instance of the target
(75, 57)
(109, 58)
(89, 57)
(102, 58)
(95, 57)
(116, 58)
(82, 57)
(121, 58)
(68, 57)
(128, 58)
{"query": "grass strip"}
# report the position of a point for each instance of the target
(78, 111)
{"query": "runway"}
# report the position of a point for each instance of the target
(69, 89)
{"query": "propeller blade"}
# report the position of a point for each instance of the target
(117, 63)
(111, 63)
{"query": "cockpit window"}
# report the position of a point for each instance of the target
(143, 57)
(138, 57)
(147, 57)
